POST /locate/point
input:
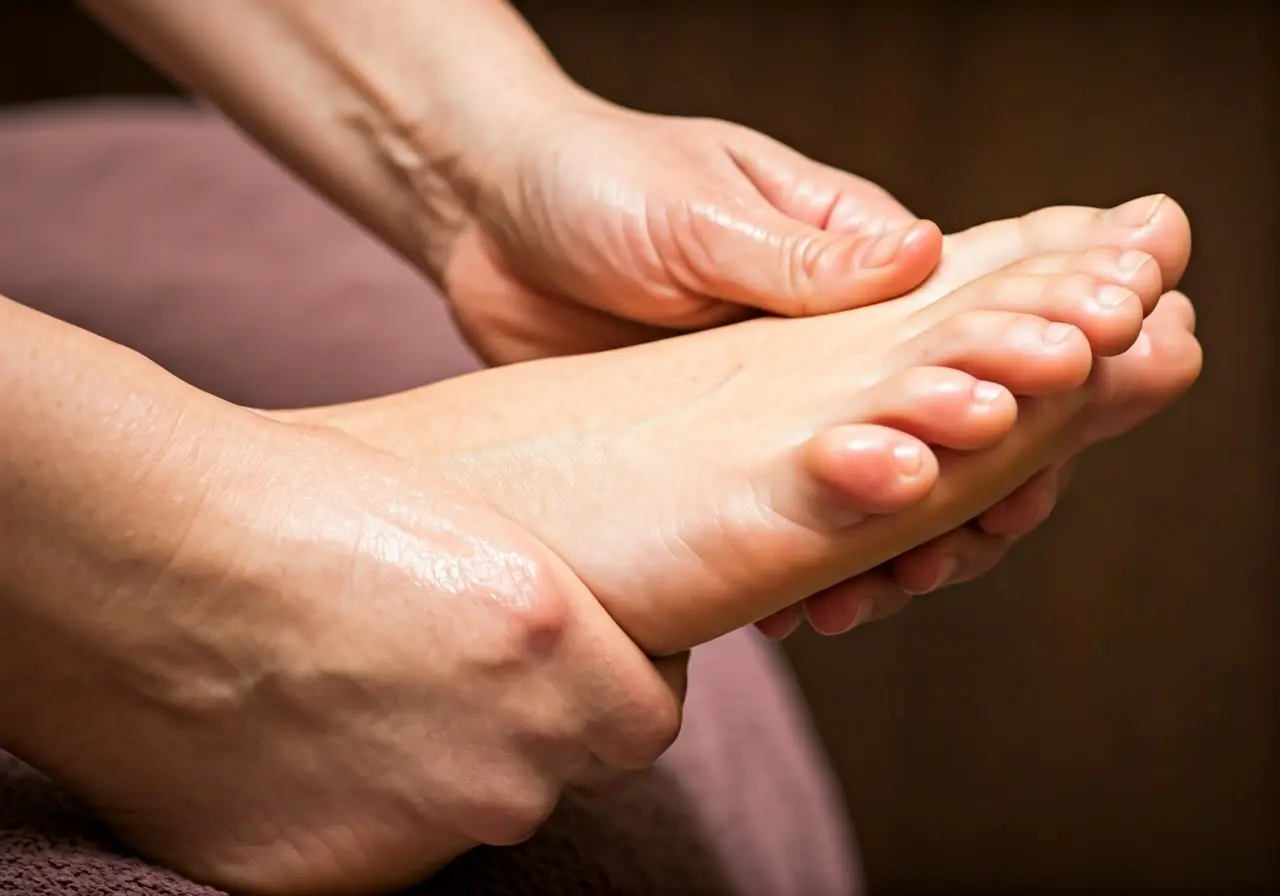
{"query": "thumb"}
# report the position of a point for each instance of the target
(762, 257)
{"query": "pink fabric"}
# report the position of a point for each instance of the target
(159, 227)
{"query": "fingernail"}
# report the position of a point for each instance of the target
(793, 623)
(947, 573)
(885, 248)
(865, 609)
(987, 393)
(909, 457)
(1057, 333)
(1112, 296)
(1136, 212)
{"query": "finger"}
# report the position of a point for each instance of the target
(814, 193)
(857, 601)
(755, 255)
(960, 555)
(1026, 508)
(630, 705)
(781, 624)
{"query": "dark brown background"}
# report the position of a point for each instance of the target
(1102, 713)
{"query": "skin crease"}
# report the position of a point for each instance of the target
(190, 593)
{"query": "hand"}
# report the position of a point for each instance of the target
(331, 673)
(600, 227)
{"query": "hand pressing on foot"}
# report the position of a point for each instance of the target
(276, 659)
(607, 227)
(702, 482)
(1129, 389)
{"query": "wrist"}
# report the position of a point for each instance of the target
(114, 483)
(454, 134)
(87, 546)
(392, 109)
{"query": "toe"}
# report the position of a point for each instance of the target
(1025, 353)
(944, 407)
(1162, 365)
(866, 469)
(1104, 292)
(1132, 269)
(1156, 225)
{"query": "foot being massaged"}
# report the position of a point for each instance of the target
(370, 644)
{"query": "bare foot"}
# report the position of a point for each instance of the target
(699, 483)
(1128, 389)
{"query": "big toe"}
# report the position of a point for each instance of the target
(1156, 225)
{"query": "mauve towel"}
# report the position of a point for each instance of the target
(159, 227)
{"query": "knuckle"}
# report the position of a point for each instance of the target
(1044, 263)
(1013, 287)
(1076, 285)
(512, 810)
(530, 611)
(968, 327)
(652, 726)
(926, 382)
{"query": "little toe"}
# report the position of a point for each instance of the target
(944, 407)
(1025, 353)
(864, 469)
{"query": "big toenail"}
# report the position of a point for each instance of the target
(884, 250)
(1058, 333)
(909, 457)
(1112, 296)
(1132, 261)
(1136, 212)
(987, 393)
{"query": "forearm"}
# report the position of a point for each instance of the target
(92, 439)
(392, 108)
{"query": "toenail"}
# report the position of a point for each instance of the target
(885, 249)
(909, 457)
(1058, 333)
(1112, 296)
(1131, 261)
(1136, 212)
(987, 393)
